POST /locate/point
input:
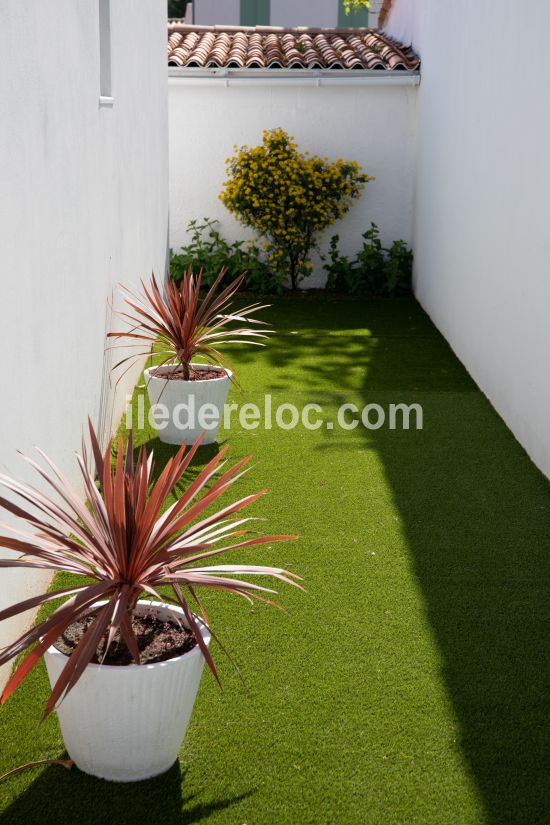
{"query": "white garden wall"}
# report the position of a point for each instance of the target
(83, 205)
(369, 120)
(482, 243)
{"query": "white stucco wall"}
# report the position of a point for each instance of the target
(482, 207)
(402, 20)
(83, 205)
(372, 124)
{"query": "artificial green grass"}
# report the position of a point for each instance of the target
(412, 683)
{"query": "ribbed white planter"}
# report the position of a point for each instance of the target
(127, 723)
(184, 400)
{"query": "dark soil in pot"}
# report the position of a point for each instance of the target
(194, 375)
(158, 640)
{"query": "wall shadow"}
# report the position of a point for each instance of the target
(476, 514)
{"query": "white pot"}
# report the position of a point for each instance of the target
(182, 403)
(127, 722)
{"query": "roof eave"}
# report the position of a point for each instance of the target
(309, 77)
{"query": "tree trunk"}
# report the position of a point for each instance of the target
(293, 273)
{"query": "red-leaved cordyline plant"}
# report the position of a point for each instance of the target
(128, 547)
(179, 325)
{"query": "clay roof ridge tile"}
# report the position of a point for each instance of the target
(262, 46)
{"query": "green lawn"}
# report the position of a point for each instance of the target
(411, 684)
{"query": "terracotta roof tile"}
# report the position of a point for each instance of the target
(233, 47)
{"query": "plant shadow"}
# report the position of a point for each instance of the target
(58, 795)
(163, 452)
(339, 339)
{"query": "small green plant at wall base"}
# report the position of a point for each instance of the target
(289, 198)
(209, 251)
(375, 270)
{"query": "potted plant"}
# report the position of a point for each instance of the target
(179, 326)
(124, 670)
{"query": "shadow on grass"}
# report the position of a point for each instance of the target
(163, 452)
(476, 513)
(58, 795)
(327, 336)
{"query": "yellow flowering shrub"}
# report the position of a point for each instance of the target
(289, 198)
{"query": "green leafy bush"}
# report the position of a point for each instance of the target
(209, 251)
(375, 270)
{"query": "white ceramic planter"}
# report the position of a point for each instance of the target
(183, 402)
(127, 723)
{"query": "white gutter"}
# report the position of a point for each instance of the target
(291, 77)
